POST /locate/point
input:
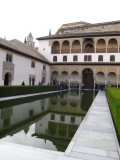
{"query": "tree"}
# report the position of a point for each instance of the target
(25, 40)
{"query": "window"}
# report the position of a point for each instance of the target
(52, 116)
(31, 112)
(88, 58)
(62, 118)
(54, 58)
(8, 58)
(6, 122)
(72, 119)
(85, 58)
(100, 58)
(75, 58)
(33, 64)
(64, 58)
(44, 67)
(112, 58)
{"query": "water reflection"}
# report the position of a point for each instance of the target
(47, 123)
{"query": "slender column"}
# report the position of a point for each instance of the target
(95, 43)
(60, 47)
(81, 43)
(69, 84)
(118, 45)
(67, 133)
(117, 82)
(105, 81)
(94, 83)
(59, 81)
(70, 46)
(95, 47)
(106, 45)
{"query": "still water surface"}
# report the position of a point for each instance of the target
(48, 121)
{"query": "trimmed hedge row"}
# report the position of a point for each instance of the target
(113, 96)
(6, 91)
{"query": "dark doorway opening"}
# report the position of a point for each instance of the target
(7, 79)
(88, 80)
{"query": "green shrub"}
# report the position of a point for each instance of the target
(6, 91)
(113, 96)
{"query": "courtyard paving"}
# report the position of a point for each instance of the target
(95, 139)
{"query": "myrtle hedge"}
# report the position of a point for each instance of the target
(113, 97)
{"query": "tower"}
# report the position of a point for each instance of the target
(29, 40)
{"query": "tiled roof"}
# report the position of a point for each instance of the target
(21, 48)
(91, 25)
(74, 35)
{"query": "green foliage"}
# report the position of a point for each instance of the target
(113, 96)
(6, 91)
(25, 40)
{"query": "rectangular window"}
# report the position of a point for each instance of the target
(72, 119)
(52, 116)
(32, 64)
(62, 118)
(44, 67)
(75, 58)
(9, 58)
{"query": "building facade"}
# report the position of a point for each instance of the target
(84, 53)
(78, 53)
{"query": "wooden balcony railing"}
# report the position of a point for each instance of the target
(112, 50)
(88, 50)
(75, 50)
(55, 51)
(85, 50)
(99, 50)
(65, 50)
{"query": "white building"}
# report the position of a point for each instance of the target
(20, 62)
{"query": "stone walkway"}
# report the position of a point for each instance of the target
(95, 139)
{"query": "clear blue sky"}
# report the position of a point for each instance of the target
(19, 17)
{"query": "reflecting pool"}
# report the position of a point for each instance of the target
(48, 121)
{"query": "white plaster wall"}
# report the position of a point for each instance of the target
(23, 70)
(45, 48)
(106, 57)
(21, 112)
(48, 74)
(2, 58)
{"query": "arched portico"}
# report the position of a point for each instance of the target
(112, 78)
(55, 78)
(65, 47)
(76, 47)
(56, 47)
(64, 77)
(87, 79)
(101, 46)
(112, 46)
(100, 78)
(88, 45)
(74, 79)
